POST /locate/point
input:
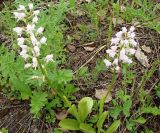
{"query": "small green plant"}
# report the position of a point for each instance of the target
(3, 130)
(35, 74)
(79, 122)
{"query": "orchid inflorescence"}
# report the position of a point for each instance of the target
(123, 47)
(30, 38)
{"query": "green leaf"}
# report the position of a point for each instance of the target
(122, 95)
(157, 88)
(151, 110)
(116, 111)
(23, 88)
(113, 127)
(140, 120)
(101, 120)
(63, 76)
(87, 128)
(126, 107)
(130, 125)
(85, 107)
(83, 72)
(69, 124)
(73, 110)
(38, 100)
(72, 4)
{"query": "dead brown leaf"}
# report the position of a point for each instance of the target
(142, 58)
(88, 48)
(71, 48)
(117, 21)
(146, 49)
(61, 115)
(100, 93)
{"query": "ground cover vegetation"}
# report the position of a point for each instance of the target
(90, 66)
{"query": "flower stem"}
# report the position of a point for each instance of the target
(111, 86)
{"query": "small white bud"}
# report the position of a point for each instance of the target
(132, 29)
(115, 62)
(43, 40)
(36, 13)
(119, 34)
(40, 30)
(20, 41)
(36, 50)
(34, 62)
(30, 5)
(28, 65)
(30, 28)
(107, 63)
(19, 16)
(49, 58)
(18, 30)
(111, 53)
(126, 42)
(115, 41)
(132, 51)
(117, 68)
(21, 8)
(35, 20)
(124, 29)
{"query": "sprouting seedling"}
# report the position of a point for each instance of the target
(30, 38)
(123, 47)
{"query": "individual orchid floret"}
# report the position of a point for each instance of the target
(49, 58)
(36, 13)
(36, 50)
(21, 8)
(43, 40)
(107, 62)
(34, 62)
(24, 54)
(28, 65)
(30, 5)
(122, 48)
(30, 28)
(18, 30)
(35, 20)
(19, 16)
(40, 30)
(20, 41)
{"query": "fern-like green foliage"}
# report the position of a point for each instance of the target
(51, 19)
(151, 110)
(38, 101)
(12, 73)
(7, 23)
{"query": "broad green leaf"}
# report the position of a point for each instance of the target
(86, 128)
(73, 110)
(38, 100)
(69, 124)
(113, 127)
(140, 120)
(102, 119)
(85, 107)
